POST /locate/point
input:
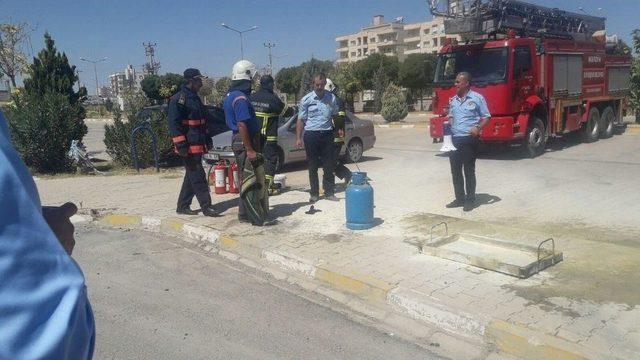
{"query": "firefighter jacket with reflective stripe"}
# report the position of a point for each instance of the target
(268, 108)
(187, 125)
(339, 120)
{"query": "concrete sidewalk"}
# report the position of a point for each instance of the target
(583, 195)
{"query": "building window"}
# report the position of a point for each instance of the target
(435, 41)
(364, 51)
(359, 41)
(373, 39)
(353, 54)
(353, 43)
(359, 52)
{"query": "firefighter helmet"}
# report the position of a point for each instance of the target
(243, 70)
(330, 86)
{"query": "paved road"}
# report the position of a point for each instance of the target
(155, 299)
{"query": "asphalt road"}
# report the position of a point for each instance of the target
(154, 298)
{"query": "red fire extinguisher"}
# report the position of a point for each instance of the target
(234, 186)
(220, 176)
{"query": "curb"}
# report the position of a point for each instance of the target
(411, 311)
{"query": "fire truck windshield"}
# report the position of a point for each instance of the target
(484, 65)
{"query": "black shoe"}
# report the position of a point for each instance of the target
(187, 211)
(313, 198)
(347, 179)
(469, 205)
(331, 198)
(455, 204)
(211, 211)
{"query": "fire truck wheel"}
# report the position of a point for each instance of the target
(591, 129)
(535, 140)
(606, 123)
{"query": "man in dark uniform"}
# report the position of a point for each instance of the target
(341, 171)
(269, 108)
(187, 126)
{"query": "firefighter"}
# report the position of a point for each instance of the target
(187, 127)
(269, 108)
(247, 142)
(341, 171)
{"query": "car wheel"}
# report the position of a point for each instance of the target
(354, 150)
(591, 129)
(606, 123)
(535, 140)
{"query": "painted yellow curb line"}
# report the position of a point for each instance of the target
(121, 219)
(172, 224)
(362, 285)
(530, 344)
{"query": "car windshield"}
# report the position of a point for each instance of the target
(484, 65)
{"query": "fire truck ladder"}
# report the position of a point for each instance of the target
(490, 17)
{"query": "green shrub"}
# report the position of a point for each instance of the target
(394, 104)
(42, 128)
(117, 137)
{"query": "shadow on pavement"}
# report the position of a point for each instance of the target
(486, 199)
(282, 210)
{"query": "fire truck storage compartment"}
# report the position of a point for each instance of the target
(567, 74)
(619, 79)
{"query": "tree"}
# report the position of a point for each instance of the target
(416, 74)
(48, 114)
(12, 59)
(380, 83)
(207, 89)
(634, 99)
(287, 80)
(161, 87)
(344, 76)
(51, 72)
(366, 69)
(394, 104)
(221, 89)
(621, 48)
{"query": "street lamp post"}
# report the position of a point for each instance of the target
(240, 32)
(95, 71)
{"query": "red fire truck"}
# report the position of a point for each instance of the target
(544, 72)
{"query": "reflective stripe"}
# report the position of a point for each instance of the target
(196, 149)
(342, 113)
(233, 103)
(193, 122)
(272, 138)
(338, 139)
(268, 177)
(284, 110)
(179, 139)
(265, 115)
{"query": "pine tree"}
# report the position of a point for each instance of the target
(49, 113)
(394, 104)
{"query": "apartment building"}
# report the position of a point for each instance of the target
(394, 39)
(128, 80)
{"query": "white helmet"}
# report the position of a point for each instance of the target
(243, 70)
(330, 86)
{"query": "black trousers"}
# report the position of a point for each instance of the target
(341, 171)
(270, 153)
(319, 148)
(464, 158)
(194, 184)
(240, 153)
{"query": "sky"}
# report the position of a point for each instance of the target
(188, 32)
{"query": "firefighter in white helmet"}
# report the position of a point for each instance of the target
(241, 119)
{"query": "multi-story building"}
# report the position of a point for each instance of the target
(393, 39)
(126, 81)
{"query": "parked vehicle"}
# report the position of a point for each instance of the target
(359, 137)
(544, 72)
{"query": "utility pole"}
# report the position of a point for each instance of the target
(95, 71)
(270, 46)
(152, 66)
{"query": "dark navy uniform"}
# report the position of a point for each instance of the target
(341, 171)
(268, 108)
(187, 125)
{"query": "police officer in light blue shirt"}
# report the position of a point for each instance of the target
(44, 309)
(468, 114)
(314, 117)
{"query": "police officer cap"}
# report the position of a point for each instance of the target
(266, 81)
(193, 74)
